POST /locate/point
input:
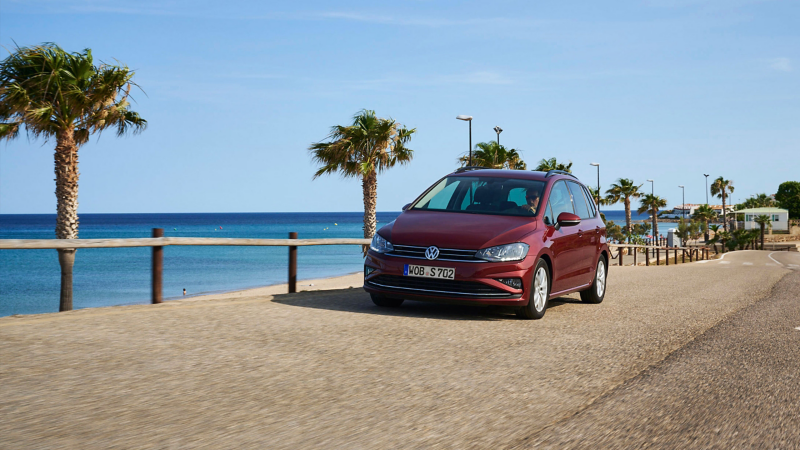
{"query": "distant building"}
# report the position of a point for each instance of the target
(690, 208)
(779, 217)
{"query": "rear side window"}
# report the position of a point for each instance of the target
(579, 200)
(560, 199)
(590, 202)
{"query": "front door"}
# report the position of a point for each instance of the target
(564, 240)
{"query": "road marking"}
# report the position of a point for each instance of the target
(793, 265)
(701, 262)
(724, 262)
(747, 264)
(770, 257)
(797, 328)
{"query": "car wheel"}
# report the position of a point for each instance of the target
(386, 302)
(597, 290)
(538, 294)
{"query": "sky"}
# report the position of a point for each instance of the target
(235, 92)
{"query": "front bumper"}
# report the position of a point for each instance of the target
(475, 282)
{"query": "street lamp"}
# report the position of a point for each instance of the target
(652, 187)
(498, 130)
(706, 175)
(598, 184)
(683, 188)
(468, 119)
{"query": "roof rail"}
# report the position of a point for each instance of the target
(468, 168)
(559, 172)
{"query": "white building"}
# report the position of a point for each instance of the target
(779, 217)
(690, 208)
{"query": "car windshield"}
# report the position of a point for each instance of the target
(483, 195)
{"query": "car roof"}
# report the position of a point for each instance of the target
(518, 174)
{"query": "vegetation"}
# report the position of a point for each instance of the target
(651, 203)
(788, 196)
(624, 190)
(597, 196)
(64, 96)
(491, 154)
(552, 164)
(758, 201)
(688, 229)
(713, 241)
(721, 188)
(363, 150)
(705, 214)
(763, 221)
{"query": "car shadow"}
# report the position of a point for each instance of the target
(357, 301)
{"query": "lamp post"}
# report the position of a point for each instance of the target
(468, 119)
(706, 175)
(684, 200)
(598, 184)
(498, 130)
(652, 187)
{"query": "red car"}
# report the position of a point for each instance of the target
(492, 237)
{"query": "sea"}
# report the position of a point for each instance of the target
(30, 279)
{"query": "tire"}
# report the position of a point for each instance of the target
(386, 302)
(597, 291)
(538, 294)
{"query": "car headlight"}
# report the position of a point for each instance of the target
(380, 245)
(509, 252)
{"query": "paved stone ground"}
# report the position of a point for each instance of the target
(331, 370)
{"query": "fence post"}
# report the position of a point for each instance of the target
(675, 249)
(292, 264)
(646, 256)
(620, 256)
(157, 278)
(683, 255)
(635, 251)
(666, 255)
(658, 256)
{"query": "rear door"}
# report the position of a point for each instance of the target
(585, 236)
(563, 242)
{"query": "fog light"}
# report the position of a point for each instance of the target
(368, 270)
(515, 283)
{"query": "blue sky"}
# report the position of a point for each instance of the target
(237, 91)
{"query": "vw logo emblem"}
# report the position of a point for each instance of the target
(432, 252)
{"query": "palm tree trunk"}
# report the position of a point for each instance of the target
(724, 213)
(66, 168)
(628, 217)
(655, 225)
(762, 236)
(369, 184)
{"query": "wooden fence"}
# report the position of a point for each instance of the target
(693, 253)
(158, 242)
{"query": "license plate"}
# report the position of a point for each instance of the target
(445, 273)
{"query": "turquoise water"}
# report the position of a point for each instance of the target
(30, 279)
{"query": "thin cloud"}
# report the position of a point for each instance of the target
(416, 21)
(781, 64)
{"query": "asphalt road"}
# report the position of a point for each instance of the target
(693, 355)
(735, 386)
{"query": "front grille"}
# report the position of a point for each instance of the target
(433, 286)
(445, 254)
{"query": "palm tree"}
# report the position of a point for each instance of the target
(713, 241)
(552, 164)
(725, 237)
(721, 188)
(624, 190)
(651, 204)
(55, 94)
(704, 213)
(491, 154)
(763, 221)
(363, 150)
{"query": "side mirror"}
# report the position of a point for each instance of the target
(406, 207)
(566, 219)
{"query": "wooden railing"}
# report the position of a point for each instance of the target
(158, 243)
(694, 253)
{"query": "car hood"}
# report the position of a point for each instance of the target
(456, 230)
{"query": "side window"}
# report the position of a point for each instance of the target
(590, 202)
(579, 200)
(560, 199)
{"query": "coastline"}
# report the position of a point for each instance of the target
(353, 280)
